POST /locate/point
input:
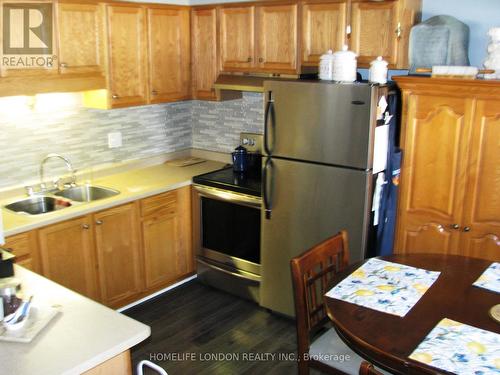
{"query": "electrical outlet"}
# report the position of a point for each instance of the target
(114, 139)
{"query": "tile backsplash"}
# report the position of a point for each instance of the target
(80, 134)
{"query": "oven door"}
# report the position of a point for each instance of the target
(226, 227)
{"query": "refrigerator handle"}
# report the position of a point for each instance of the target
(268, 120)
(267, 182)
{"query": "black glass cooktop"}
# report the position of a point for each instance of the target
(227, 179)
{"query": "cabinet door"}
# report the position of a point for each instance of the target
(117, 246)
(127, 55)
(374, 30)
(237, 38)
(167, 237)
(432, 184)
(277, 38)
(67, 255)
(80, 38)
(168, 42)
(25, 247)
(323, 28)
(204, 52)
(481, 220)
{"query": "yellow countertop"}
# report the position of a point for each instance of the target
(133, 184)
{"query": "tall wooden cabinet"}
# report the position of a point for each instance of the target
(205, 52)
(450, 177)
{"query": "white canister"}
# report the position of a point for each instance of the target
(378, 71)
(326, 66)
(344, 65)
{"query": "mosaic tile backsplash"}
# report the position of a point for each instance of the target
(80, 134)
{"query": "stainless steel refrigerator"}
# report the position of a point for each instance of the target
(317, 174)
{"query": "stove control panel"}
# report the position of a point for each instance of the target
(252, 142)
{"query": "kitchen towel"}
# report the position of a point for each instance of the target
(385, 286)
(461, 349)
(490, 279)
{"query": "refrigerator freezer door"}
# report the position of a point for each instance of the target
(321, 122)
(308, 203)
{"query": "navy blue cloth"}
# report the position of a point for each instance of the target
(388, 202)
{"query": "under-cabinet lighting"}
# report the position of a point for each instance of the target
(15, 106)
(55, 102)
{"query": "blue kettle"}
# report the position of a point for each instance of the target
(240, 159)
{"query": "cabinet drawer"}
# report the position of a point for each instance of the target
(161, 204)
(19, 245)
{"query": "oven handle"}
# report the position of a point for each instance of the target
(241, 276)
(225, 195)
(267, 187)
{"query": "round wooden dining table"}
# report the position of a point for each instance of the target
(387, 340)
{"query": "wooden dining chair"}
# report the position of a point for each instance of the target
(319, 345)
(367, 368)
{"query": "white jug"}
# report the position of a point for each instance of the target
(378, 71)
(344, 65)
(326, 66)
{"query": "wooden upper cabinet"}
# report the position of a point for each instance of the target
(277, 38)
(118, 248)
(67, 255)
(482, 208)
(382, 28)
(127, 55)
(80, 38)
(204, 52)
(237, 38)
(432, 184)
(323, 28)
(169, 55)
(374, 30)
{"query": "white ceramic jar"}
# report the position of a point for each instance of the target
(378, 71)
(344, 65)
(326, 66)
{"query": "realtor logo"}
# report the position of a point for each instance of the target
(27, 35)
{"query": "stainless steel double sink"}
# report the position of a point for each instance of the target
(45, 203)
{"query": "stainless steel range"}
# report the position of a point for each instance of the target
(226, 223)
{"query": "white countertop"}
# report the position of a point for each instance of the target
(82, 336)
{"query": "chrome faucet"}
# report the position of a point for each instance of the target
(56, 182)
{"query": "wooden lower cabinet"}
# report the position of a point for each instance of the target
(67, 254)
(166, 229)
(118, 254)
(449, 199)
(25, 247)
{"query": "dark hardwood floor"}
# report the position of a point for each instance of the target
(193, 323)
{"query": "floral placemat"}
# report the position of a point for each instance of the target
(490, 279)
(460, 348)
(385, 286)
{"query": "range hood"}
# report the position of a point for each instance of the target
(231, 86)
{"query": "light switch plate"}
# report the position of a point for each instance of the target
(114, 139)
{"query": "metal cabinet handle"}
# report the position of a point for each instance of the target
(467, 229)
(398, 30)
(261, 59)
(98, 222)
(85, 226)
(249, 59)
(114, 96)
(63, 65)
(455, 226)
(154, 92)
